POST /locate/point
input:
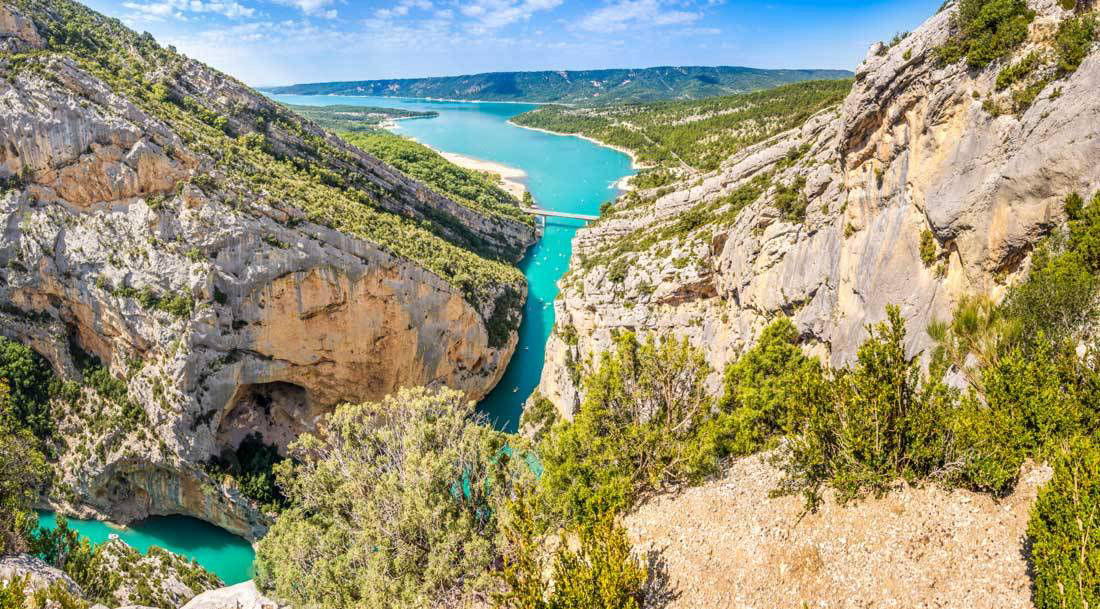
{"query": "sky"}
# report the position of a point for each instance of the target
(277, 42)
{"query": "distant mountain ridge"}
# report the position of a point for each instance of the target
(577, 87)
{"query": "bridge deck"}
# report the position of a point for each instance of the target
(559, 214)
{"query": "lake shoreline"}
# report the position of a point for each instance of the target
(511, 177)
(624, 183)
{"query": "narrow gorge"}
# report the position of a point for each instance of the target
(829, 339)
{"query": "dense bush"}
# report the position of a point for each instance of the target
(645, 423)
(865, 427)
(1058, 297)
(28, 378)
(986, 30)
(1030, 402)
(762, 392)
(395, 504)
(1065, 550)
(600, 573)
(1073, 41)
(23, 472)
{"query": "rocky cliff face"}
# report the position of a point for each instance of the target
(914, 148)
(149, 232)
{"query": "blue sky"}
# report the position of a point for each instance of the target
(267, 42)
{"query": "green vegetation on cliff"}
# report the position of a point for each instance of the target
(473, 189)
(986, 30)
(695, 134)
(265, 153)
(575, 86)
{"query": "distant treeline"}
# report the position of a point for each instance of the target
(576, 87)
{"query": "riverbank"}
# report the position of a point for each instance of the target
(635, 164)
(513, 179)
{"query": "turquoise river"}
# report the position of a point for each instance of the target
(566, 174)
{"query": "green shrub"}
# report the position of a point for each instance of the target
(1073, 41)
(13, 593)
(867, 426)
(395, 504)
(645, 423)
(762, 387)
(601, 573)
(928, 247)
(1065, 550)
(1058, 297)
(67, 550)
(977, 335)
(1019, 71)
(1030, 401)
(790, 201)
(986, 30)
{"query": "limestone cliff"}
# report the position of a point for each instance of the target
(233, 266)
(917, 146)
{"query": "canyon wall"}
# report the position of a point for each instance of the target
(222, 308)
(913, 148)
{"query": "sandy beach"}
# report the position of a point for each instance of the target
(513, 177)
(634, 164)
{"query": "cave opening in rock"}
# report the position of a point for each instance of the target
(275, 413)
(252, 438)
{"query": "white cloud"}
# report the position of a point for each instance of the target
(487, 15)
(625, 14)
(313, 8)
(178, 9)
(402, 8)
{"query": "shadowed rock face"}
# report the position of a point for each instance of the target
(911, 149)
(102, 217)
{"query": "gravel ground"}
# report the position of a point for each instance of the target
(726, 544)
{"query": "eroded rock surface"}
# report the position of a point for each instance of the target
(37, 574)
(240, 596)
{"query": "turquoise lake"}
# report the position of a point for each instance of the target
(220, 552)
(565, 174)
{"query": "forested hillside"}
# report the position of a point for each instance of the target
(696, 135)
(575, 86)
(356, 118)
